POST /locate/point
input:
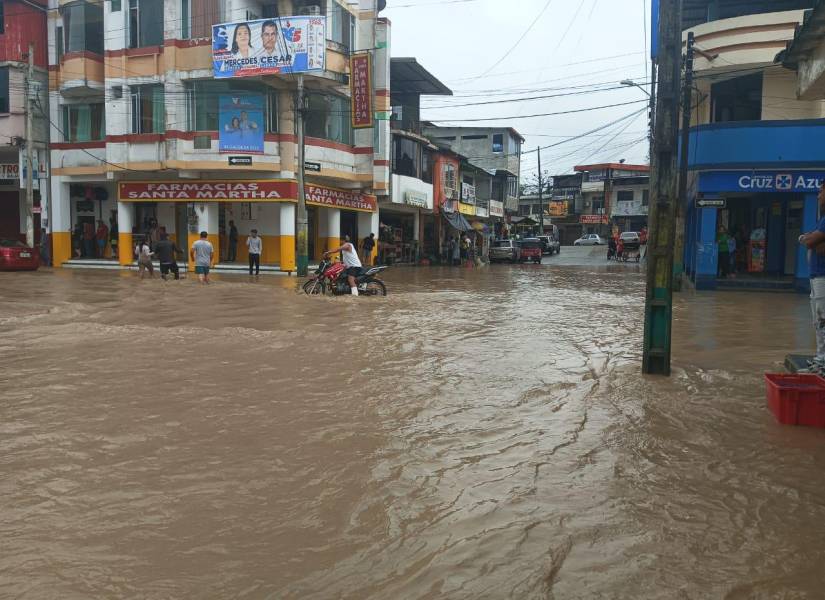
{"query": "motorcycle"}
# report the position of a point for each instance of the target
(330, 277)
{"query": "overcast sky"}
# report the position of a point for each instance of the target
(459, 40)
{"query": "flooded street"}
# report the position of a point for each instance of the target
(476, 434)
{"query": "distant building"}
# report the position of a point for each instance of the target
(613, 195)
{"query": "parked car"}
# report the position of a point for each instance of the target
(504, 250)
(590, 239)
(550, 244)
(530, 249)
(630, 237)
(17, 256)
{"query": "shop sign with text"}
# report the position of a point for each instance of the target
(9, 171)
(415, 198)
(496, 208)
(361, 90)
(272, 190)
(467, 209)
(762, 181)
(593, 219)
(348, 200)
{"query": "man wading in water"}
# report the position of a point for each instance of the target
(815, 242)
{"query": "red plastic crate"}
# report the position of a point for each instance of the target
(796, 399)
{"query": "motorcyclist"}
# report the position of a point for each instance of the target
(351, 262)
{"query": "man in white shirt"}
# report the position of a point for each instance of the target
(201, 254)
(255, 246)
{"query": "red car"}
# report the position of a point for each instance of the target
(17, 256)
(531, 249)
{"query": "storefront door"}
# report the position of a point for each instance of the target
(349, 225)
(793, 229)
(182, 229)
(10, 214)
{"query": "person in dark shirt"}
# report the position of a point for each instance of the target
(233, 242)
(166, 251)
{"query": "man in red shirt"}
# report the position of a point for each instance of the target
(102, 237)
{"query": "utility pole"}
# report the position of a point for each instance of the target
(652, 119)
(301, 216)
(663, 185)
(541, 197)
(29, 150)
(684, 150)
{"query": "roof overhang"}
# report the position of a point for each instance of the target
(808, 37)
(409, 77)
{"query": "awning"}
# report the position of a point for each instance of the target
(458, 221)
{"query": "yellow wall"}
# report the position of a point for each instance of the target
(61, 247)
(124, 245)
(271, 249)
(287, 253)
(330, 243)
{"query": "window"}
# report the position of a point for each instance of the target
(473, 137)
(4, 89)
(598, 204)
(498, 143)
(185, 19)
(59, 43)
(341, 26)
(624, 196)
(115, 6)
(406, 157)
(512, 146)
(645, 197)
(512, 187)
(145, 23)
(83, 122)
(738, 99)
(203, 98)
(449, 177)
(468, 179)
(197, 17)
(148, 114)
(329, 118)
(2, 18)
(497, 192)
(427, 167)
(83, 27)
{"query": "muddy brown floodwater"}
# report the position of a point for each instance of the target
(476, 434)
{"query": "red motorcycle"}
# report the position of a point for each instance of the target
(330, 277)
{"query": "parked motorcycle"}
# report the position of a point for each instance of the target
(330, 277)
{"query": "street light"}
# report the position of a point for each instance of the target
(631, 83)
(651, 109)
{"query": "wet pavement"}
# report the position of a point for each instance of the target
(479, 433)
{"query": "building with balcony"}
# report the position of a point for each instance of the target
(22, 22)
(157, 125)
(755, 157)
(614, 196)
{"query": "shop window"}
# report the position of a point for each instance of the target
(328, 118)
(83, 122)
(406, 157)
(148, 113)
(624, 196)
(498, 143)
(203, 99)
(738, 99)
(83, 27)
(145, 23)
(4, 89)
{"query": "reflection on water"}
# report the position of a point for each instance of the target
(476, 434)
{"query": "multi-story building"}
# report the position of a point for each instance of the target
(756, 144)
(22, 22)
(181, 115)
(613, 194)
(495, 150)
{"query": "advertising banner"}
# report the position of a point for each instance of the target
(350, 200)
(273, 190)
(766, 182)
(593, 220)
(496, 208)
(269, 46)
(361, 89)
(241, 124)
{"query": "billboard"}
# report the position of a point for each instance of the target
(241, 123)
(269, 46)
(361, 90)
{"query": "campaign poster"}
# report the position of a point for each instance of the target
(361, 91)
(241, 123)
(269, 46)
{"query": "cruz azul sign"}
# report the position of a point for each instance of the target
(777, 182)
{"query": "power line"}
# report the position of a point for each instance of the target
(551, 114)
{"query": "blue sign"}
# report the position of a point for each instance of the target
(269, 46)
(241, 123)
(654, 29)
(763, 182)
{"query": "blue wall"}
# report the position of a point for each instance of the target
(758, 144)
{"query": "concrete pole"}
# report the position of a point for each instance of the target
(29, 150)
(684, 160)
(301, 217)
(664, 195)
(541, 197)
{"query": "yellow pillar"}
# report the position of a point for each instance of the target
(124, 248)
(61, 247)
(287, 241)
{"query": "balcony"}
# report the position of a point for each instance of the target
(758, 144)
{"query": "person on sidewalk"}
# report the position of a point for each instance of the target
(144, 256)
(366, 249)
(723, 252)
(814, 241)
(233, 242)
(166, 251)
(255, 246)
(201, 254)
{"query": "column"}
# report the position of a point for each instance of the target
(332, 218)
(60, 222)
(286, 125)
(809, 213)
(287, 229)
(125, 222)
(707, 256)
(417, 224)
(207, 215)
(367, 224)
